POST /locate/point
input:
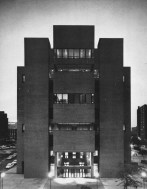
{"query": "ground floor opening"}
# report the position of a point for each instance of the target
(74, 165)
(74, 172)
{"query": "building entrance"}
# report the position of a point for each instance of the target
(74, 172)
(73, 164)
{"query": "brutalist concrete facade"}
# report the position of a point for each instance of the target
(73, 106)
(142, 121)
(3, 126)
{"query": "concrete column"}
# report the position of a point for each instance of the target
(55, 164)
(92, 161)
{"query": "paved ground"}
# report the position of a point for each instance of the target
(16, 181)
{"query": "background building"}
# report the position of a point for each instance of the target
(73, 106)
(142, 121)
(3, 126)
(12, 128)
(134, 131)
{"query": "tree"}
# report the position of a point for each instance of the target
(126, 176)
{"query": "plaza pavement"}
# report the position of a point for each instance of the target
(17, 181)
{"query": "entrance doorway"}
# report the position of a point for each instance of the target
(73, 172)
(73, 164)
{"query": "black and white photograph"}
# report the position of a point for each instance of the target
(73, 94)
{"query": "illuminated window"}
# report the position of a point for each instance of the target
(59, 98)
(76, 53)
(65, 98)
(65, 53)
(81, 164)
(59, 53)
(70, 53)
(23, 79)
(51, 153)
(66, 164)
(73, 98)
(95, 153)
(81, 155)
(66, 155)
(88, 53)
(74, 155)
(82, 53)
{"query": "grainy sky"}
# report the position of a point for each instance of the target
(35, 18)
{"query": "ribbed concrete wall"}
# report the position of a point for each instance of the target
(20, 118)
(74, 141)
(73, 82)
(73, 37)
(73, 113)
(36, 108)
(127, 114)
(111, 107)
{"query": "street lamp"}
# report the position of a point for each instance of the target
(2, 176)
(50, 177)
(97, 175)
(144, 176)
(131, 145)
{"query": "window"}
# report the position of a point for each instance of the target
(51, 153)
(92, 53)
(82, 53)
(23, 127)
(88, 53)
(59, 53)
(54, 98)
(66, 163)
(81, 155)
(82, 98)
(65, 98)
(66, 155)
(74, 155)
(95, 153)
(59, 98)
(73, 98)
(81, 164)
(70, 52)
(65, 53)
(76, 53)
(23, 79)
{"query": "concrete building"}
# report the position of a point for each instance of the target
(3, 126)
(73, 106)
(134, 131)
(142, 121)
(12, 129)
